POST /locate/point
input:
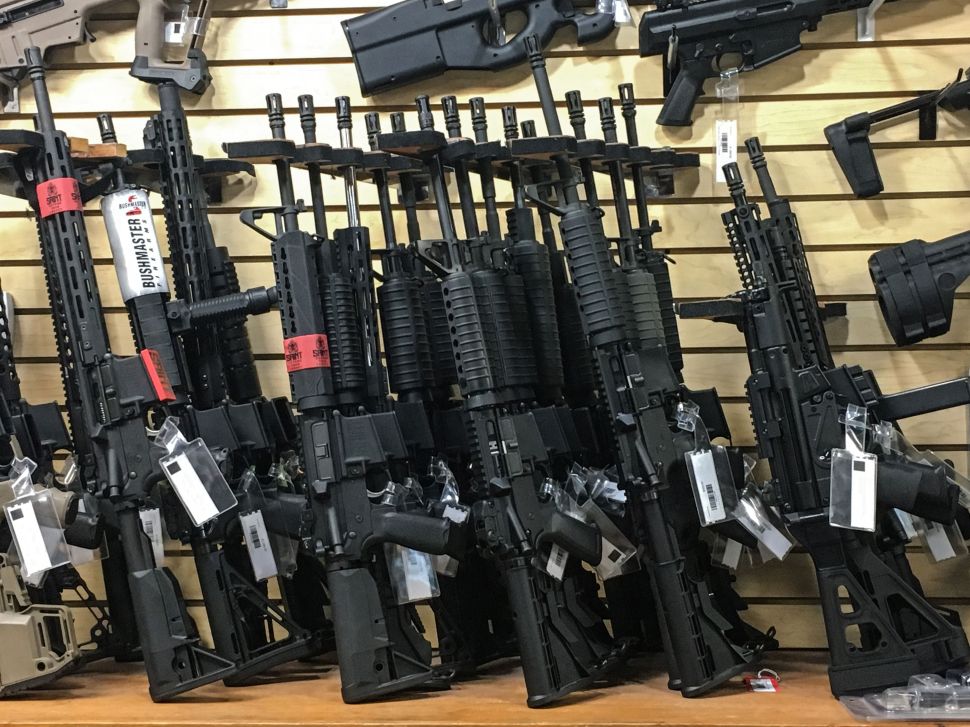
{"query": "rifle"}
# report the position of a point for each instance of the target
(888, 631)
(641, 393)
(850, 142)
(916, 282)
(561, 638)
(44, 24)
(354, 451)
(694, 39)
(417, 39)
(108, 397)
(242, 618)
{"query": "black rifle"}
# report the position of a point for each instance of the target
(562, 642)
(641, 392)
(850, 142)
(916, 282)
(354, 451)
(242, 618)
(108, 397)
(797, 394)
(417, 39)
(700, 39)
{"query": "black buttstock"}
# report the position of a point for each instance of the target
(850, 143)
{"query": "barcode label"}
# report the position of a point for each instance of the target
(151, 523)
(258, 545)
(732, 554)
(706, 485)
(556, 566)
(34, 558)
(725, 147)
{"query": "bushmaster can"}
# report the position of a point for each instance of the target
(134, 243)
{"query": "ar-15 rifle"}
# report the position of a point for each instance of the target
(641, 393)
(916, 282)
(699, 40)
(353, 448)
(562, 641)
(850, 142)
(242, 618)
(417, 39)
(797, 395)
(108, 397)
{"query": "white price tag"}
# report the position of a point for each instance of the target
(937, 541)
(726, 146)
(189, 488)
(731, 557)
(258, 545)
(863, 491)
(455, 514)
(556, 565)
(151, 524)
(34, 558)
(707, 488)
(417, 575)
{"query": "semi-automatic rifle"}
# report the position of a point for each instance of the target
(355, 455)
(108, 398)
(887, 631)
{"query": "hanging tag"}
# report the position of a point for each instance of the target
(151, 524)
(852, 496)
(728, 89)
(258, 545)
(445, 565)
(620, 9)
(27, 535)
(556, 563)
(764, 524)
(190, 490)
(619, 554)
(727, 552)
(907, 521)
(194, 475)
(704, 474)
(412, 574)
(709, 468)
(941, 542)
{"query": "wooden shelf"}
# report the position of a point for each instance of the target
(113, 694)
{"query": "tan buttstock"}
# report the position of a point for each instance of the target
(57, 26)
(38, 641)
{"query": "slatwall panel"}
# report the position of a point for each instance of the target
(256, 50)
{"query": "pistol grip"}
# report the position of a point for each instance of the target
(688, 86)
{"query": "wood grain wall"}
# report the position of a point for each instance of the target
(256, 50)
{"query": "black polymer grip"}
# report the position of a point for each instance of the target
(646, 308)
(239, 363)
(657, 265)
(439, 334)
(598, 291)
(346, 351)
(532, 263)
(409, 361)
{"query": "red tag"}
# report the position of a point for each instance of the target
(58, 195)
(306, 352)
(157, 374)
(761, 683)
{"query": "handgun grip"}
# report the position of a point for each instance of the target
(581, 540)
(419, 532)
(688, 86)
